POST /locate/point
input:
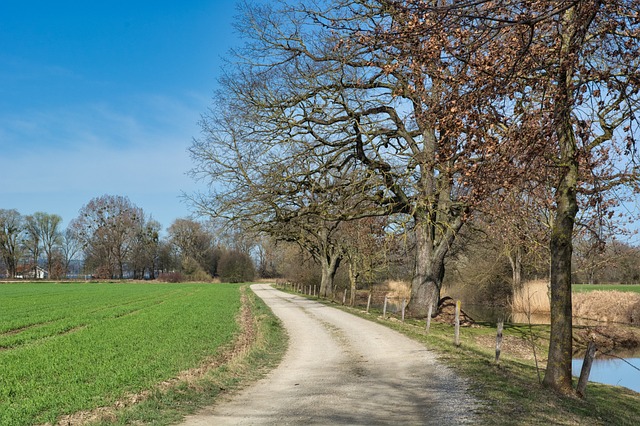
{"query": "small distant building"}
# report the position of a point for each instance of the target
(28, 272)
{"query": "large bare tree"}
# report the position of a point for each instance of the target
(107, 227)
(318, 80)
(568, 72)
(579, 77)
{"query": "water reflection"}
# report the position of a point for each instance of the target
(613, 371)
(621, 370)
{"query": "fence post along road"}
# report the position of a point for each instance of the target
(342, 369)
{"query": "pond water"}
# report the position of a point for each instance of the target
(612, 371)
(622, 369)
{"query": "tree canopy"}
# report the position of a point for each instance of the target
(428, 113)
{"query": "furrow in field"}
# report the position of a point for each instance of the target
(14, 331)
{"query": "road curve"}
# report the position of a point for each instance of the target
(342, 369)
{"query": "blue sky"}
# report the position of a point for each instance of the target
(104, 97)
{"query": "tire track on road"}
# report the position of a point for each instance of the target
(342, 369)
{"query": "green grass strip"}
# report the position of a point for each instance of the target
(606, 287)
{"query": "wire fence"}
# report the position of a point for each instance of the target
(381, 300)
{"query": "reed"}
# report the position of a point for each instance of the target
(601, 305)
(610, 306)
(532, 298)
(398, 289)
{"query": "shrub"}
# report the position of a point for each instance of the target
(193, 271)
(171, 277)
(235, 267)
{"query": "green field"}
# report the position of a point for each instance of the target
(71, 347)
(606, 287)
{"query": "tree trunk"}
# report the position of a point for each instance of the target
(11, 267)
(49, 263)
(329, 266)
(515, 259)
(429, 271)
(353, 280)
(558, 373)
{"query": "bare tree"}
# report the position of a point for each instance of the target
(107, 227)
(192, 240)
(568, 72)
(144, 253)
(32, 243)
(44, 229)
(365, 250)
(318, 81)
(11, 230)
(588, 91)
(71, 245)
(518, 225)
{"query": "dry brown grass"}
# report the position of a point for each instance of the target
(394, 289)
(607, 306)
(532, 298)
(399, 289)
(610, 306)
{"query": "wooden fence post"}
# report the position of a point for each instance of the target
(457, 332)
(369, 302)
(344, 297)
(586, 369)
(499, 339)
(404, 304)
(428, 326)
(384, 308)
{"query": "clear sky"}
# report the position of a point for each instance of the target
(104, 97)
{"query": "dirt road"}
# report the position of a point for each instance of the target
(341, 369)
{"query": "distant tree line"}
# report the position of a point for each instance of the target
(112, 238)
(35, 242)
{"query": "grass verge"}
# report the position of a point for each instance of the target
(510, 392)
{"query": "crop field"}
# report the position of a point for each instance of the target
(579, 288)
(71, 347)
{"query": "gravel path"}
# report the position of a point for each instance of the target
(342, 369)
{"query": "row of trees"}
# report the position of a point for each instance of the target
(113, 239)
(430, 116)
(25, 240)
